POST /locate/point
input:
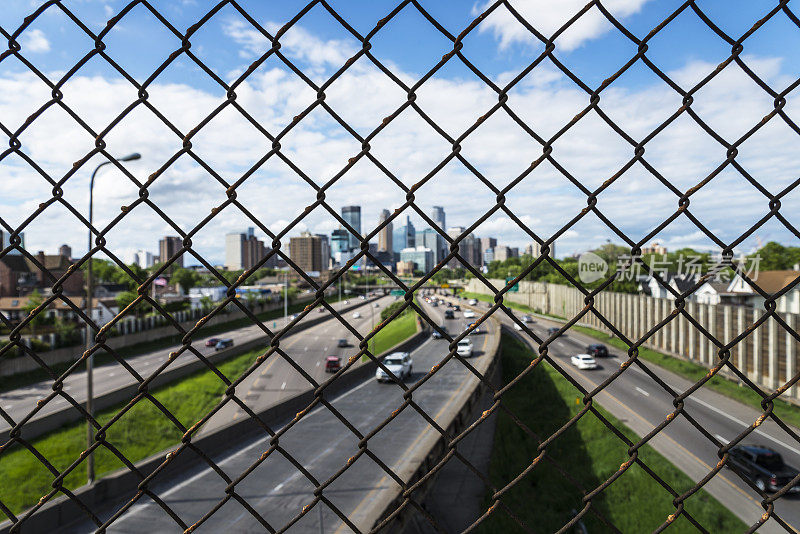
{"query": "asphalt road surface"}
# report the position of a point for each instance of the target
(278, 490)
(642, 404)
(110, 377)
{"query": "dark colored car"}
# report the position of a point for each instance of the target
(598, 350)
(223, 344)
(456, 308)
(477, 329)
(448, 314)
(332, 364)
(341, 343)
(212, 342)
(448, 304)
(763, 466)
(437, 335)
(552, 330)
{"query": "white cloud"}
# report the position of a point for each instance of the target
(548, 16)
(34, 41)
(297, 43)
(408, 147)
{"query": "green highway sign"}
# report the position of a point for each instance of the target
(397, 292)
(515, 287)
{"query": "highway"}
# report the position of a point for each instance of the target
(278, 491)
(642, 404)
(113, 376)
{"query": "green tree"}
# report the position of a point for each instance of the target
(125, 298)
(187, 279)
(35, 300)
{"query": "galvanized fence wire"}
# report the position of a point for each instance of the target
(549, 52)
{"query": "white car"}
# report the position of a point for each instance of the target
(583, 361)
(399, 363)
(464, 347)
(517, 327)
(527, 319)
(468, 314)
(346, 302)
(472, 302)
(356, 315)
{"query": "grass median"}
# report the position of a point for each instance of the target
(141, 432)
(786, 411)
(590, 453)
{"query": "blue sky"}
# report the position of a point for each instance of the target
(687, 49)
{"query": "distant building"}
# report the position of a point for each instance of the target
(421, 256)
(469, 248)
(143, 259)
(502, 253)
(437, 214)
(5, 241)
(488, 242)
(535, 249)
(243, 251)
(168, 247)
(325, 251)
(385, 234)
(488, 256)
(340, 241)
(352, 216)
(21, 276)
(66, 251)
(404, 236)
(431, 239)
(405, 268)
(654, 248)
(306, 252)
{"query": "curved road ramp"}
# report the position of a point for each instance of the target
(339, 460)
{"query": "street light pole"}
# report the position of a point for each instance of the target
(89, 295)
(286, 297)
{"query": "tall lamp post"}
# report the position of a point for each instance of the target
(89, 295)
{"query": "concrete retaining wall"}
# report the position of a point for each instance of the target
(121, 486)
(768, 356)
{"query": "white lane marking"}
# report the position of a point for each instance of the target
(318, 363)
(643, 392)
(111, 374)
(138, 507)
(325, 349)
(283, 386)
(305, 349)
(721, 439)
(278, 487)
(734, 419)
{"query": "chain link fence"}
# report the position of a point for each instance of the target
(277, 249)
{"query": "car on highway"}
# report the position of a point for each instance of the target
(517, 327)
(356, 315)
(475, 331)
(435, 303)
(341, 343)
(448, 304)
(527, 319)
(321, 309)
(583, 361)
(332, 364)
(437, 335)
(464, 347)
(362, 297)
(448, 314)
(552, 330)
(212, 342)
(472, 302)
(346, 302)
(763, 466)
(469, 314)
(598, 350)
(400, 365)
(377, 305)
(223, 344)
(456, 308)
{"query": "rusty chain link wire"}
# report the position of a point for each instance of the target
(275, 351)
